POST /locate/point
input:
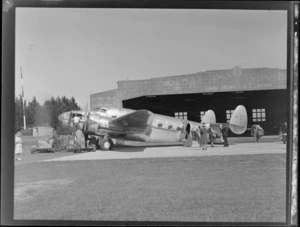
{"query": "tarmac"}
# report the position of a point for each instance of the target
(238, 146)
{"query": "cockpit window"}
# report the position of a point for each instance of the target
(103, 110)
(75, 114)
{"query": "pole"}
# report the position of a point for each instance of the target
(23, 101)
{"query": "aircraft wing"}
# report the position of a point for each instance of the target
(135, 122)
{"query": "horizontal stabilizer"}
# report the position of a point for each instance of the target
(238, 121)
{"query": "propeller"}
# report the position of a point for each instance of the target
(70, 118)
(86, 117)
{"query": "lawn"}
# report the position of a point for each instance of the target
(244, 188)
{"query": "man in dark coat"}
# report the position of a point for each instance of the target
(224, 131)
(55, 138)
(211, 136)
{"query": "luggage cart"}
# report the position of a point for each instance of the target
(46, 146)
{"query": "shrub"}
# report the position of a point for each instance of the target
(27, 132)
(64, 130)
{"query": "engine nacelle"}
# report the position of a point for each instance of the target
(120, 141)
(103, 123)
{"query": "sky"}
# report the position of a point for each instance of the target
(78, 52)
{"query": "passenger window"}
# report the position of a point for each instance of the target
(160, 125)
(170, 127)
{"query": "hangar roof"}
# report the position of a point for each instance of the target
(236, 79)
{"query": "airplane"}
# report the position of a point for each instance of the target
(145, 126)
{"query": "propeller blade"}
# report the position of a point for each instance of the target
(70, 118)
(86, 109)
(86, 117)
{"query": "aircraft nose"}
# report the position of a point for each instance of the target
(61, 118)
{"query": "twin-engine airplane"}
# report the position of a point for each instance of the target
(145, 126)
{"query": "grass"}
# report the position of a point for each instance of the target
(245, 188)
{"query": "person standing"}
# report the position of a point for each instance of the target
(55, 137)
(76, 120)
(211, 136)
(203, 139)
(79, 137)
(254, 133)
(18, 146)
(224, 132)
(198, 131)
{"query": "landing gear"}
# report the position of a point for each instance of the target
(103, 142)
(106, 144)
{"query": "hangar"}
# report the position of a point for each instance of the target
(263, 91)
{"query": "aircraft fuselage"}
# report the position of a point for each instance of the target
(145, 126)
(160, 128)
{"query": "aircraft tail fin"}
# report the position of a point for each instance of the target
(239, 120)
(209, 117)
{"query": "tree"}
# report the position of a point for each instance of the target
(55, 106)
(37, 114)
(18, 113)
(32, 116)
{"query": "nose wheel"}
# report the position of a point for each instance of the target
(106, 144)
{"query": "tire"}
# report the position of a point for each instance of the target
(94, 147)
(106, 144)
(33, 149)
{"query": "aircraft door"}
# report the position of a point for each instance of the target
(186, 129)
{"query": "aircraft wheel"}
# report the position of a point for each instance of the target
(94, 147)
(106, 144)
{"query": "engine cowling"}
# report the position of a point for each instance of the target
(103, 123)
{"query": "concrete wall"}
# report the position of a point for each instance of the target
(236, 79)
(107, 99)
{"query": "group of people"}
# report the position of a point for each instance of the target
(203, 133)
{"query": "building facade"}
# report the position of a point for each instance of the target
(263, 91)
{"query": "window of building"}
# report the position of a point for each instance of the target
(258, 115)
(202, 113)
(229, 114)
(182, 115)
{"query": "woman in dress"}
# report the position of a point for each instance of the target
(18, 146)
(198, 131)
(203, 139)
